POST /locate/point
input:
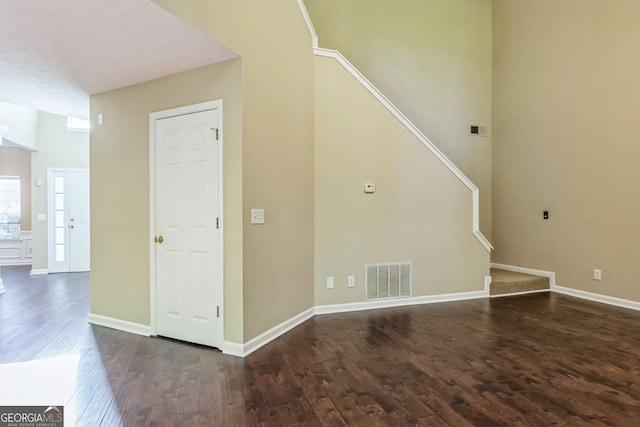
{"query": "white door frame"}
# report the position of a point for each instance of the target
(181, 111)
(51, 213)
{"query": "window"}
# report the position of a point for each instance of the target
(76, 124)
(9, 207)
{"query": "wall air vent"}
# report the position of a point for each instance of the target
(388, 280)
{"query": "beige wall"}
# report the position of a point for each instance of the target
(277, 138)
(272, 265)
(57, 148)
(120, 239)
(420, 211)
(565, 140)
(17, 162)
(432, 59)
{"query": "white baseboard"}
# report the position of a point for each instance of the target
(618, 302)
(243, 350)
(401, 302)
(551, 275)
(265, 338)
(604, 299)
(121, 325)
(233, 348)
(487, 283)
(2, 289)
(39, 271)
(538, 291)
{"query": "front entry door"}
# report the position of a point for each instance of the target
(69, 227)
(187, 235)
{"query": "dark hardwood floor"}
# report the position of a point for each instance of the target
(540, 359)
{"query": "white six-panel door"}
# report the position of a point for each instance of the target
(187, 258)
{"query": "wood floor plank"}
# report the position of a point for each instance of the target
(540, 360)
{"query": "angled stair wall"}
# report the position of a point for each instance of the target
(424, 209)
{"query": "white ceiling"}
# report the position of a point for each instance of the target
(55, 53)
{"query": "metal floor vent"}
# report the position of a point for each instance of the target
(388, 280)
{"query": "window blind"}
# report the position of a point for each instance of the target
(9, 207)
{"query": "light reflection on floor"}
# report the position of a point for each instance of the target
(38, 382)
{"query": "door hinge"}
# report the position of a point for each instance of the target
(217, 131)
(218, 311)
(218, 222)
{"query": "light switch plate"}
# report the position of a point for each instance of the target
(257, 216)
(330, 282)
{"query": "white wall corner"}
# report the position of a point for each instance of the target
(120, 325)
(243, 350)
(233, 348)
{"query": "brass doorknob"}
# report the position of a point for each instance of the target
(158, 239)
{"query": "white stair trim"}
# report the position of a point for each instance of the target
(307, 21)
(120, 325)
(417, 134)
(403, 119)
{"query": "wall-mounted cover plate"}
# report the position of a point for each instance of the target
(257, 216)
(476, 130)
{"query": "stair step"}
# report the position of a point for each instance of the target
(505, 282)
